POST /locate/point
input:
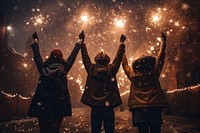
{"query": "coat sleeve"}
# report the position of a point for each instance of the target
(37, 57)
(118, 58)
(86, 59)
(160, 58)
(72, 57)
(128, 71)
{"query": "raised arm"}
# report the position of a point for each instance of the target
(72, 57)
(118, 58)
(36, 52)
(161, 54)
(128, 71)
(86, 59)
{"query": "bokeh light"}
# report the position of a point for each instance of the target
(9, 28)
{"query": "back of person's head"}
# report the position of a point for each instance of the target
(56, 55)
(144, 64)
(102, 59)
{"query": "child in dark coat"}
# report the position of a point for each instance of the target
(146, 99)
(101, 91)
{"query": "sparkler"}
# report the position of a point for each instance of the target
(84, 18)
(156, 18)
(120, 23)
(38, 19)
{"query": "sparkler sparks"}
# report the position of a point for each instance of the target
(100, 26)
(38, 19)
(156, 18)
(84, 18)
(120, 23)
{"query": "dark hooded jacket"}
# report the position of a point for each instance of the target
(52, 99)
(145, 89)
(101, 88)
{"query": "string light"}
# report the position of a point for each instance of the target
(9, 95)
(184, 89)
(24, 98)
(15, 95)
(172, 91)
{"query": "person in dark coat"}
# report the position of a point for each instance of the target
(146, 99)
(101, 91)
(51, 101)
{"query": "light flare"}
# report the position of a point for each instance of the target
(156, 18)
(84, 18)
(120, 23)
(9, 28)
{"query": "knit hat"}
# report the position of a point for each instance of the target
(102, 58)
(56, 54)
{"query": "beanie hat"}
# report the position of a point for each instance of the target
(56, 54)
(102, 58)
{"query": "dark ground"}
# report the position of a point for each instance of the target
(80, 122)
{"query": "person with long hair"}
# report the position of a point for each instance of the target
(146, 99)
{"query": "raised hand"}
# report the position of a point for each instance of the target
(35, 36)
(122, 38)
(82, 36)
(163, 36)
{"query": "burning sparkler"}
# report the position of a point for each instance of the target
(38, 19)
(120, 23)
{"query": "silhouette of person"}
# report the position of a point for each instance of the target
(51, 101)
(101, 91)
(146, 99)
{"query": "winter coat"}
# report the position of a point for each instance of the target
(52, 99)
(101, 88)
(145, 89)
